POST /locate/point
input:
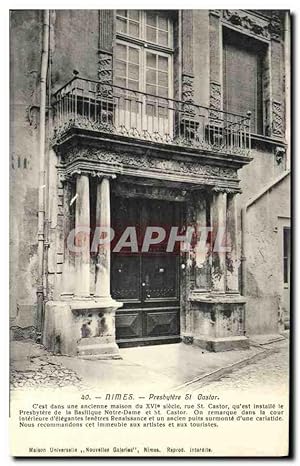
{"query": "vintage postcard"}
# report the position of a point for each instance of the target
(150, 232)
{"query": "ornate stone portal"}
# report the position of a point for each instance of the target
(82, 321)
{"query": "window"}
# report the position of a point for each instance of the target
(143, 52)
(127, 66)
(286, 256)
(157, 28)
(143, 65)
(128, 22)
(243, 59)
(149, 26)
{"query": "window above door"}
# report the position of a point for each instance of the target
(143, 57)
(151, 27)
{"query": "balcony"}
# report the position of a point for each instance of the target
(112, 110)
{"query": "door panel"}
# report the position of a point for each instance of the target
(128, 325)
(126, 277)
(160, 277)
(162, 323)
(146, 282)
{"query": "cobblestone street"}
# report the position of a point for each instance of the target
(33, 367)
(36, 369)
(271, 372)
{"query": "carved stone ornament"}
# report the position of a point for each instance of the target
(215, 98)
(105, 67)
(221, 189)
(91, 160)
(277, 119)
(148, 162)
(275, 27)
(279, 154)
(215, 95)
(105, 73)
(248, 23)
(187, 88)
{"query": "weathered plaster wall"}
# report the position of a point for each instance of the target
(75, 42)
(25, 35)
(201, 56)
(259, 172)
(264, 264)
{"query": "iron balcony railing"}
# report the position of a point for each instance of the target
(83, 103)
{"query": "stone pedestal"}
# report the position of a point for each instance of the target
(218, 322)
(84, 328)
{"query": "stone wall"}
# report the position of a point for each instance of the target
(264, 263)
(25, 36)
(75, 41)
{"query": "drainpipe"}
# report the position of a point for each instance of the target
(243, 252)
(42, 177)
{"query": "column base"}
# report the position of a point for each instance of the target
(221, 344)
(82, 327)
(98, 348)
(218, 321)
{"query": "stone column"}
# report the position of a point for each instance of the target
(82, 225)
(232, 262)
(218, 218)
(201, 257)
(102, 288)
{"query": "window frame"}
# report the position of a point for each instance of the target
(262, 54)
(133, 45)
(142, 40)
(145, 46)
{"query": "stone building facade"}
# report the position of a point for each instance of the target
(167, 119)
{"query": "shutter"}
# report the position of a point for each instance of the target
(242, 82)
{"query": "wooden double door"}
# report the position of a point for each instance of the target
(145, 279)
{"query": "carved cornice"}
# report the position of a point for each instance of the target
(146, 161)
(275, 27)
(262, 28)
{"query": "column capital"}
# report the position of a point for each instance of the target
(66, 175)
(76, 172)
(101, 175)
(224, 190)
